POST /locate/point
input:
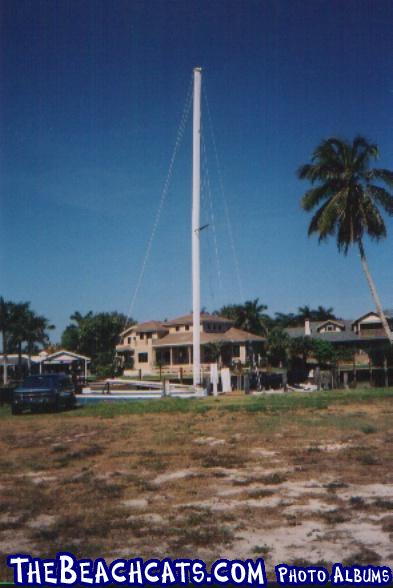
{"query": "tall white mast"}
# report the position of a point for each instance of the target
(196, 196)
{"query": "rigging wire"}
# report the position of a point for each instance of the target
(209, 248)
(164, 193)
(210, 206)
(226, 209)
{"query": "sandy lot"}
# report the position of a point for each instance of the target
(305, 485)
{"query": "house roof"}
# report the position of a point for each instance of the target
(63, 355)
(364, 316)
(146, 327)
(232, 335)
(187, 319)
(331, 322)
(348, 335)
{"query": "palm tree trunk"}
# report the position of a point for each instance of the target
(374, 294)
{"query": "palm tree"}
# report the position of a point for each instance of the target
(36, 327)
(278, 345)
(248, 316)
(349, 195)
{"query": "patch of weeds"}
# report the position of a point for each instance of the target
(67, 458)
(357, 502)
(260, 493)
(201, 535)
(292, 520)
(223, 460)
(314, 449)
(89, 451)
(335, 485)
(384, 503)
(387, 524)
(29, 500)
(59, 448)
(108, 489)
(7, 466)
(363, 557)
(335, 517)
(155, 464)
(275, 478)
(145, 485)
(369, 429)
(261, 549)
(368, 459)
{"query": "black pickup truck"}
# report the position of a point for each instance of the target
(46, 391)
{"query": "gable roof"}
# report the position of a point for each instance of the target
(364, 316)
(232, 335)
(187, 319)
(331, 322)
(146, 327)
(63, 354)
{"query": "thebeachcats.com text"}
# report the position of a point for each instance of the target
(66, 570)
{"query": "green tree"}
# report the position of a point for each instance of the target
(349, 196)
(284, 320)
(249, 316)
(317, 314)
(301, 347)
(95, 335)
(5, 322)
(22, 329)
(278, 345)
(323, 351)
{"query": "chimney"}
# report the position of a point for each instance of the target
(307, 328)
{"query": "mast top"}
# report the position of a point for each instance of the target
(198, 69)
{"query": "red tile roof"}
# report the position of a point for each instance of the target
(232, 335)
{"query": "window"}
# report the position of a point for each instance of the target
(236, 350)
(128, 340)
(330, 328)
(143, 357)
(148, 336)
(141, 336)
(187, 327)
(177, 328)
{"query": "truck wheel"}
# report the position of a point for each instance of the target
(15, 410)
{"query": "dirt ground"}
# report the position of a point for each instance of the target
(303, 486)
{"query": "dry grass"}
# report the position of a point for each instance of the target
(209, 482)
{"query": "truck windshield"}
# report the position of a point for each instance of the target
(38, 382)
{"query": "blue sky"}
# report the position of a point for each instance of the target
(91, 97)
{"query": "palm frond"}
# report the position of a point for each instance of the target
(313, 197)
(372, 219)
(382, 197)
(384, 175)
(362, 151)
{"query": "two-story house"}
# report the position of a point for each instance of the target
(168, 344)
(363, 334)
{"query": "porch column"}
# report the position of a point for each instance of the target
(5, 370)
(40, 367)
(385, 369)
(85, 369)
(189, 355)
